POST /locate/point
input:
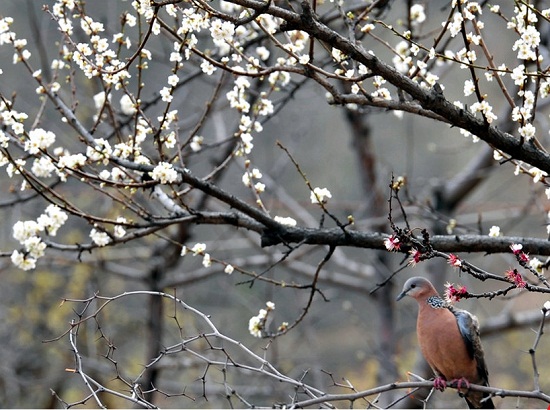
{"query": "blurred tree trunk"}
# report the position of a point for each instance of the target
(446, 199)
(167, 255)
(375, 207)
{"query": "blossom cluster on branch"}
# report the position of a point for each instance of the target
(133, 130)
(234, 39)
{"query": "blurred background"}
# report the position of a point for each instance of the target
(357, 334)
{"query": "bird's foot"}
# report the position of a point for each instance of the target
(461, 383)
(440, 383)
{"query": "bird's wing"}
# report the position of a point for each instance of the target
(469, 329)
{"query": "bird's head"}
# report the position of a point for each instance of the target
(416, 288)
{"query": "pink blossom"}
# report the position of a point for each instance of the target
(515, 277)
(416, 256)
(516, 248)
(454, 261)
(521, 256)
(454, 294)
(392, 243)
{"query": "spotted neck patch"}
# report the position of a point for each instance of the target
(436, 302)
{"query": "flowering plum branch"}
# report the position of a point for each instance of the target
(154, 149)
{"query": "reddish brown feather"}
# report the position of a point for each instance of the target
(444, 346)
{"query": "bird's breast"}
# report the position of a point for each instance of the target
(442, 345)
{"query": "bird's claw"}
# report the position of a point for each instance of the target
(440, 383)
(461, 384)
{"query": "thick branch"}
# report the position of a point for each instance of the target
(428, 99)
(511, 320)
(375, 240)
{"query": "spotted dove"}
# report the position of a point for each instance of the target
(449, 340)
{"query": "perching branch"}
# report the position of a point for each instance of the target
(219, 355)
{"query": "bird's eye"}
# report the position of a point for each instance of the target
(413, 286)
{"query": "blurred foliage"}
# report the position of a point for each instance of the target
(339, 340)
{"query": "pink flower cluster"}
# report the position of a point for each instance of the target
(515, 277)
(392, 243)
(416, 256)
(521, 256)
(454, 261)
(454, 294)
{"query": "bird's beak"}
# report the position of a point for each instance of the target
(401, 295)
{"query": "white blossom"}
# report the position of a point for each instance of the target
(320, 195)
(99, 238)
(207, 68)
(127, 105)
(528, 131)
(166, 94)
(39, 139)
(35, 247)
(170, 140)
(206, 261)
(417, 14)
(23, 230)
(494, 231)
(536, 264)
(469, 88)
(101, 151)
(23, 262)
(367, 28)
(249, 175)
(4, 139)
(173, 80)
(288, 221)
(43, 167)
(175, 57)
(537, 174)
(119, 230)
(71, 161)
(486, 109)
(222, 30)
(52, 219)
(198, 248)
(518, 75)
(196, 143)
(164, 172)
(263, 53)
(254, 326)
